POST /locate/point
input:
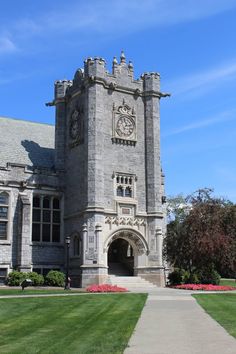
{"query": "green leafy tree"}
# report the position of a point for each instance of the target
(203, 237)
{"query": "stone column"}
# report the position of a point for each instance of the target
(25, 249)
(159, 245)
(84, 245)
(98, 243)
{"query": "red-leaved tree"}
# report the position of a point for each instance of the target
(205, 236)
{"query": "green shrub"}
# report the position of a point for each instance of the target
(190, 278)
(37, 279)
(209, 276)
(186, 276)
(176, 277)
(193, 279)
(55, 278)
(15, 278)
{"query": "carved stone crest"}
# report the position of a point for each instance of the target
(124, 125)
(76, 128)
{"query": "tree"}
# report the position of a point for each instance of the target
(203, 236)
(177, 208)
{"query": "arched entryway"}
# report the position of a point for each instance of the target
(120, 258)
(126, 250)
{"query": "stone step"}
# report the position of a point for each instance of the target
(128, 279)
(130, 282)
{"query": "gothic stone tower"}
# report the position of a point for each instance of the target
(108, 155)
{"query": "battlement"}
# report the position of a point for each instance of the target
(95, 66)
(151, 81)
(121, 78)
(60, 87)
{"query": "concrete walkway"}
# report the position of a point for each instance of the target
(173, 323)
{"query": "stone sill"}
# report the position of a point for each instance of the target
(5, 242)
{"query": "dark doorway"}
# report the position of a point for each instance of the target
(120, 258)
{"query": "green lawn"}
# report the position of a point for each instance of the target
(229, 282)
(85, 324)
(33, 291)
(222, 307)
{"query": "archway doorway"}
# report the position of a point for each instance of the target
(120, 258)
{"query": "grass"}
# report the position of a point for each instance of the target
(84, 324)
(33, 291)
(229, 282)
(221, 307)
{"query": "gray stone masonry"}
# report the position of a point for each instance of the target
(105, 168)
(112, 128)
(27, 168)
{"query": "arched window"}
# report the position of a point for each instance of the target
(4, 205)
(119, 191)
(128, 192)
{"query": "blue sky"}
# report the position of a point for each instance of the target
(190, 42)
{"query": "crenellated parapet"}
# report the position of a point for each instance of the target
(95, 67)
(121, 79)
(60, 88)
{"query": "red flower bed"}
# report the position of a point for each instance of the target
(206, 287)
(105, 288)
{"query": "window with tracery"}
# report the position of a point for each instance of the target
(46, 219)
(4, 212)
(124, 185)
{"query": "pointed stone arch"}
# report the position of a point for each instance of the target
(134, 237)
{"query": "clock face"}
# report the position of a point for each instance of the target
(74, 129)
(125, 126)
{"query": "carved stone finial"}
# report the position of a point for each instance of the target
(122, 57)
(115, 62)
(130, 66)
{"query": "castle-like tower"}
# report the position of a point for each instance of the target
(107, 146)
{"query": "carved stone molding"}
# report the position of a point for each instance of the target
(119, 220)
(124, 125)
(133, 239)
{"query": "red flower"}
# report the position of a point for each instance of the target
(105, 288)
(205, 287)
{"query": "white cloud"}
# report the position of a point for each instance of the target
(136, 12)
(198, 83)
(113, 17)
(6, 45)
(221, 117)
(132, 15)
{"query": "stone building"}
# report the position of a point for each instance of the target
(100, 182)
